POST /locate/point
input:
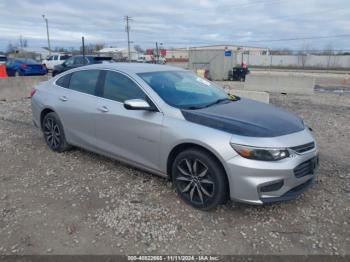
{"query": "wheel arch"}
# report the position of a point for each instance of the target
(186, 145)
(43, 113)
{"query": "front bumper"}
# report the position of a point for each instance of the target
(259, 182)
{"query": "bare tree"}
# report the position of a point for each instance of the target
(99, 46)
(329, 52)
(22, 42)
(61, 49)
(283, 51)
(138, 49)
(302, 54)
(10, 48)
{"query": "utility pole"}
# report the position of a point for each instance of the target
(127, 29)
(47, 32)
(157, 53)
(83, 46)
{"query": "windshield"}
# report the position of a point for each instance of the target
(183, 89)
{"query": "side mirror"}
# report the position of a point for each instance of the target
(138, 104)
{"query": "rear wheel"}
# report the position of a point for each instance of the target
(199, 179)
(53, 133)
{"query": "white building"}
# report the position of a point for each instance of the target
(236, 48)
(120, 53)
(177, 54)
(38, 53)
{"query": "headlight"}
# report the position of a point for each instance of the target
(263, 154)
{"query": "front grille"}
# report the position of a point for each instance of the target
(303, 148)
(306, 168)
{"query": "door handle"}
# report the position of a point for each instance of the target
(103, 109)
(63, 98)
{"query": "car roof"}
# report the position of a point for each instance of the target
(134, 67)
(24, 59)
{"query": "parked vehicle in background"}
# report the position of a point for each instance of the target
(78, 61)
(238, 73)
(3, 59)
(24, 67)
(54, 60)
(171, 122)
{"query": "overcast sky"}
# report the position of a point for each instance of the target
(177, 22)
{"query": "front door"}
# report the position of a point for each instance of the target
(129, 134)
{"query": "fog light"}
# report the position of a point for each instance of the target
(272, 187)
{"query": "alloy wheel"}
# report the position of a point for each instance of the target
(52, 133)
(194, 181)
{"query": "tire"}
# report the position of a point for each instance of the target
(199, 179)
(53, 133)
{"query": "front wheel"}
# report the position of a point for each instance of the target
(199, 179)
(53, 133)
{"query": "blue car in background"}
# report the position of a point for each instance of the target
(24, 67)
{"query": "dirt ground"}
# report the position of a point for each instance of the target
(82, 203)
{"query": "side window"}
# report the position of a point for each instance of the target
(79, 60)
(84, 81)
(119, 87)
(64, 81)
(50, 58)
(69, 61)
(55, 57)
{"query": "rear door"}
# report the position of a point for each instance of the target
(130, 134)
(76, 106)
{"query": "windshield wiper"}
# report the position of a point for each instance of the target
(194, 107)
(218, 102)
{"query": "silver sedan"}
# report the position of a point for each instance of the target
(170, 122)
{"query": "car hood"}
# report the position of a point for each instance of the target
(246, 117)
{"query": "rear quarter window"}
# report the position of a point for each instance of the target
(64, 81)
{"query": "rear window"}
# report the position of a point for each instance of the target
(64, 57)
(101, 59)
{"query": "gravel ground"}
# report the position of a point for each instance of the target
(82, 203)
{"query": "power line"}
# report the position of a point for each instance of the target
(297, 38)
(253, 3)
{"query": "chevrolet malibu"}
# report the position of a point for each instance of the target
(170, 122)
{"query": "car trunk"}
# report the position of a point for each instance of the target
(34, 67)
